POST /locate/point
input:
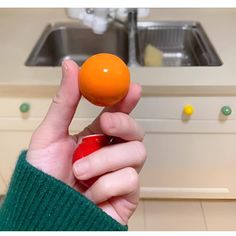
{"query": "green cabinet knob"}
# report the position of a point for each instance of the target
(226, 110)
(24, 107)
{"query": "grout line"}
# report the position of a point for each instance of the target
(144, 215)
(204, 215)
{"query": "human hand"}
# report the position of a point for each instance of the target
(51, 148)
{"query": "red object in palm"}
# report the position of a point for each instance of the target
(90, 144)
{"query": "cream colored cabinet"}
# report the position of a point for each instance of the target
(188, 156)
(2, 186)
(12, 143)
(16, 127)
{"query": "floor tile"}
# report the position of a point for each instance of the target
(174, 215)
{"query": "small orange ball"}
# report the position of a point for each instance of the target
(104, 79)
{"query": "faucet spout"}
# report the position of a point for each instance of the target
(132, 31)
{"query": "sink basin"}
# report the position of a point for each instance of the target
(71, 41)
(182, 43)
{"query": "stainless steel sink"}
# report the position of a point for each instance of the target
(72, 41)
(181, 43)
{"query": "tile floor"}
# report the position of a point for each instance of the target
(184, 215)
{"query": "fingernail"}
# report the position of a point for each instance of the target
(64, 69)
(139, 86)
(81, 168)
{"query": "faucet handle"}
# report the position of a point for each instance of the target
(141, 12)
(89, 10)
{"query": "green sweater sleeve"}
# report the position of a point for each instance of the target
(37, 201)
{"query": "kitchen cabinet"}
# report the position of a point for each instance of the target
(17, 126)
(12, 142)
(2, 186)
(188, 157)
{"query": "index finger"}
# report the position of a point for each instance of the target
(126, 106)
(129, 102)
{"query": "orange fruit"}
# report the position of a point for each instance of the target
(104, 79)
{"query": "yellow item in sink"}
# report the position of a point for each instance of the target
(152, 56)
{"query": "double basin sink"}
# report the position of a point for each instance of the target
(181, 44)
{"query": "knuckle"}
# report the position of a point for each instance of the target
(109, 122)
(94, 165)
(118, 121)
(128, 125)
(141, 153)
(129, 121)
(142, 131)
(104, 115)
(122, 121)
(104, 186)
(133, 178)
(57, 99)
(100, 160)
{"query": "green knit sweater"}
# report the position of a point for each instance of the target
(37, 201)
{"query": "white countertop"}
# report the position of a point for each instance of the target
(21, 28)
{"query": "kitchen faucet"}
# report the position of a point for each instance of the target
(131, 26)
(132, 31)
(99, 18)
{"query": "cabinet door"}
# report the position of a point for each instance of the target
(2, 186)
(190, 164)
(15, 135)
(11, 144)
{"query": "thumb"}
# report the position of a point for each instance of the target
(63, 106)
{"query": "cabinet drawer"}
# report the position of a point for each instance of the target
(11, 107)
(38, 107)
(205, 108)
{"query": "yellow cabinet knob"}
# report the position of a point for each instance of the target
(188, 110)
